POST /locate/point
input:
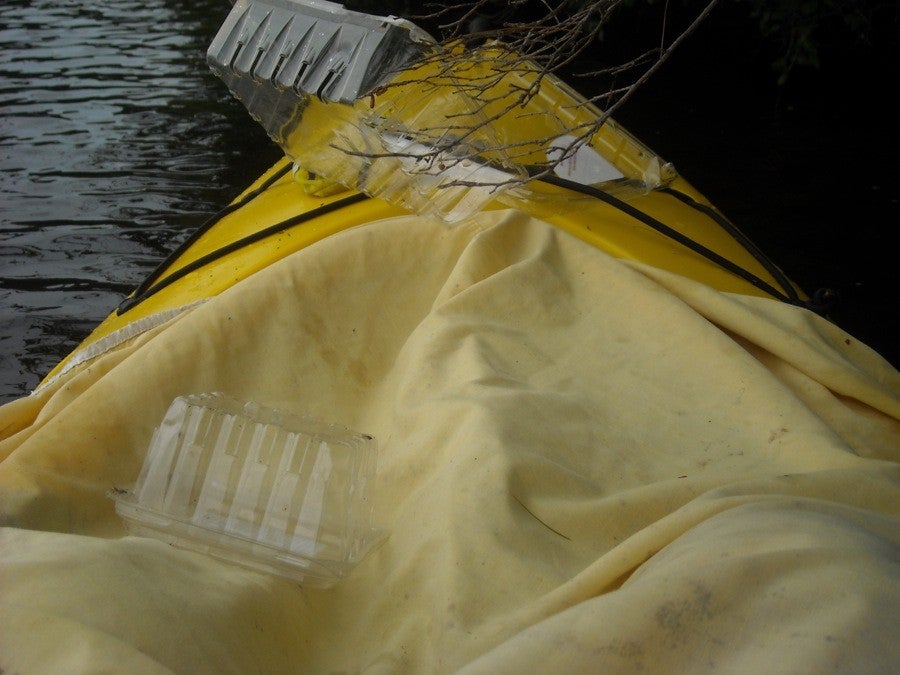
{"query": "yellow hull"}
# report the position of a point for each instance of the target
(671, 226)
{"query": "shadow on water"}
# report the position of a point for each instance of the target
(116, 142)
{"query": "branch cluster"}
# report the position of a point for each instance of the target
(497, 56)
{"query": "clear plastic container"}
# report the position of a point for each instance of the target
(310, 73)
(374, 104)
(258, 487)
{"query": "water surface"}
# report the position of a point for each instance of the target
(115, 142)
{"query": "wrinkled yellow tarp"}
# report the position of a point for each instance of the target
(584, 465)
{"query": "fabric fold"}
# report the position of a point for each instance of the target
(584, 464)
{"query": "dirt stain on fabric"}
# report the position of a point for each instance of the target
(678, 617)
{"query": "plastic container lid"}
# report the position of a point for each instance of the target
(308, 72)
(256, 486)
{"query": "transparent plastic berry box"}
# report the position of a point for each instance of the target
(258, 487)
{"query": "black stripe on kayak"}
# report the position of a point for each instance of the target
(789, 294)
(199, 232)
(148, 290)
(741, 238)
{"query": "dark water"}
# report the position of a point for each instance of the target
(116, 141)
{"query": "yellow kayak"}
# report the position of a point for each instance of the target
(420, 402)
(640, 209)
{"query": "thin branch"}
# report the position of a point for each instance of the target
(505, 71)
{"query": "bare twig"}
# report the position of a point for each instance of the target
(496, 59)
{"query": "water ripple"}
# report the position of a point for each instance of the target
(115, 142)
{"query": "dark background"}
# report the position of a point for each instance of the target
(808, 169)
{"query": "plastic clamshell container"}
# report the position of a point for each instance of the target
(256, 486)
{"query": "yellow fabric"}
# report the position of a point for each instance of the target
(585, 465)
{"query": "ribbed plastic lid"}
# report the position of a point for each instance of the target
(258, 487)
